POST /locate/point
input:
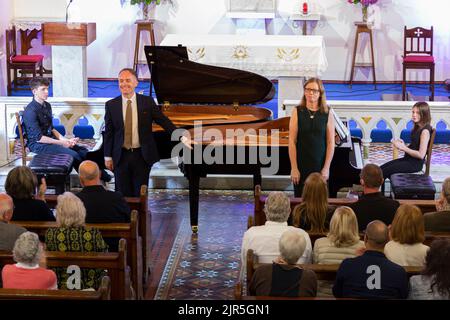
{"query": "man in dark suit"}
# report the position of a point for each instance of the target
(130, 148)
(373, 205)
(372, 275)
(102, 206)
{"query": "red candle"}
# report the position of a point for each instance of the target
(305, 8)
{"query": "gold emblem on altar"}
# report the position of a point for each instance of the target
(240, 52)
(197, 55)
(288, 55)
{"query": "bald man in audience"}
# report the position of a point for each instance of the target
(8, 232)
(372, 275)
(102, 206)
(373, 205)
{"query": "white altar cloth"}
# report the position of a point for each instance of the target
(272, 56)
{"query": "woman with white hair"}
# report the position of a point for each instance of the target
(71, 235)
(439, 221)
(283, 278)
(26, 273)
(263, 240)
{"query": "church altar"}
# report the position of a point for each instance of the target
(288, 58)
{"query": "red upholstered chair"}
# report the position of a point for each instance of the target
(14, 62)
(418, 54)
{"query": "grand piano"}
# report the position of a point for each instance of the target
(233, 136)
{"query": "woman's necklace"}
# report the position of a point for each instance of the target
(311, 113)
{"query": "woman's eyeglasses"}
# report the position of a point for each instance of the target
(314, 91)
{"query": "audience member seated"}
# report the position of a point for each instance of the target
(102, 206)
(71, 235)
(21, 184)
(8, 232)
(313, 214)
(263, 240)
(440, 221)
(434, 282)
(372, 275)
(341, 242)
(373, 205)
(407, 233)
(26, 273)
(283, 278)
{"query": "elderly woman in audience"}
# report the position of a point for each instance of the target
(71, 235)
(263, 240)
(21, 184)
(26, 273)
(342, 242)
(283, 277)
(440, 221)
(407, 233)
(313, 214)
(434, 282)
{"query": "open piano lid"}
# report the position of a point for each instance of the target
(180, 81)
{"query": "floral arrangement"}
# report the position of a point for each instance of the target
(364, 3)
(147, 2)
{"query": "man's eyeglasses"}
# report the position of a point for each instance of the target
(314, 91)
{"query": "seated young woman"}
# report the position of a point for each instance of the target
(416, 151)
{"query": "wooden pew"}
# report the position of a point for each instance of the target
(140, 204)
(103, 293)
(114, 262)
(323, 271)
(127, 231)
(260, 217)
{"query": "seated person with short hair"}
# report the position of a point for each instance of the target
(102, 206)
(8, 232)
(372, 275)
(283, 278)
(26, 273)
(263, 240)
(373, 205)
(71, 235)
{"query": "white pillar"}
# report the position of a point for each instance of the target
(289, 88)
(69, 71)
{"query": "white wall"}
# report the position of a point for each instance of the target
(114, 46)
(6, 13)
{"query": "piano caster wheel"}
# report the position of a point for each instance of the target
(194, 229)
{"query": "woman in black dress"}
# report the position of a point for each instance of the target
(311, 136)
(414, 153)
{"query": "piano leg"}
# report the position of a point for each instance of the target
(194, 186)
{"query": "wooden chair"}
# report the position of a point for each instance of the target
(127, 231)
(412, 185)
(103, 293)
(15, 63)
(418, 54)
(114, 262)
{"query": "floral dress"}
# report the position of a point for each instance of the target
(79, 239)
